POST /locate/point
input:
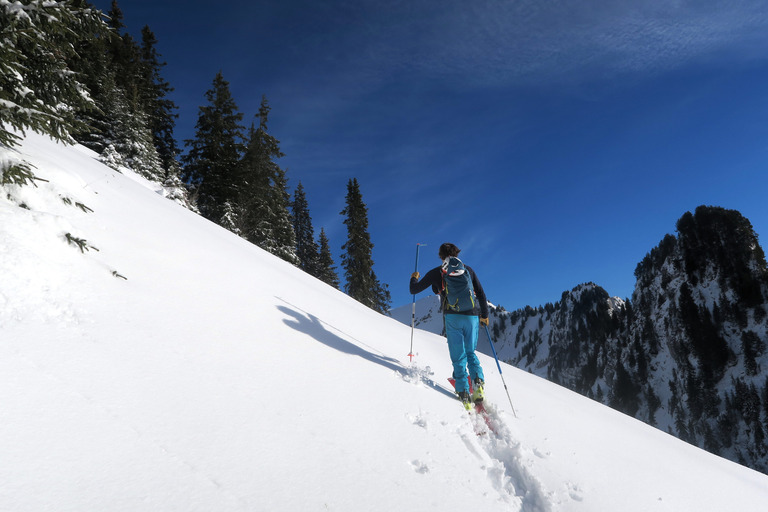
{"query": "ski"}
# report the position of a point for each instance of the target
(479, 409)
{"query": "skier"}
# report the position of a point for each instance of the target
(461, 323)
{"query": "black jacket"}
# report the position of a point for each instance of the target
(435, 278)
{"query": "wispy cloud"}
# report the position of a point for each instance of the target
(505, 42)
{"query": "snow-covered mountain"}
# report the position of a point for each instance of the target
(687, 354)
(151, 360)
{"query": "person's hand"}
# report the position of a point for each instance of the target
(415, 275)
(484, 321)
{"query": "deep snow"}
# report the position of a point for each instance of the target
(216, 377)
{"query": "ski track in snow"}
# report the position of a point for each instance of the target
(504, 459)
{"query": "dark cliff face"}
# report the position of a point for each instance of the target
(701, 297)
(705, 292)
(723, 241)
(713, 243)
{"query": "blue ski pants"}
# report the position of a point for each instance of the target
(461, 331)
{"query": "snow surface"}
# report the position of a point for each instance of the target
(216, 377)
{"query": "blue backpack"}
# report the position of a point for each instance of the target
(457, 286)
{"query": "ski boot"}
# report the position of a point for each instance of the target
(478, 393)
(466, 400)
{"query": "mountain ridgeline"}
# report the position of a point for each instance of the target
(687, 353)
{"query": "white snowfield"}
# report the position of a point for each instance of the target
(179, 368)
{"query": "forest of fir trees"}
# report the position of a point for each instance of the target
(74, 73)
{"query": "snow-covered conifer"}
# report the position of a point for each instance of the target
(160, 110)
(306, 247)
(38, 88)
(327, 269)
(263, 193)
(212, 162)
(362, 283)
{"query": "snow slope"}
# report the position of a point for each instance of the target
(212, 376)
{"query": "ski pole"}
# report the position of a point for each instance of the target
(413, 313)
(499, 367)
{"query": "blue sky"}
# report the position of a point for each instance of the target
(556, 143)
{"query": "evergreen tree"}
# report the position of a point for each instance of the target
(115, 17)
(128, 139)
(327, 270)
(119, 129)
(211, 165)
(38, 89)
(306, 248)
(751, 347)
(231, 218)
(252, 214)
(362, 284)
(160, 109)
(284, 236)
(263, 198)
(125, 60)
(96, 123)
(624, 392)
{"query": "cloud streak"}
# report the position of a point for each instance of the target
(502, 43)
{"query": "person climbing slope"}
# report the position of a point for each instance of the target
(464, 307)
